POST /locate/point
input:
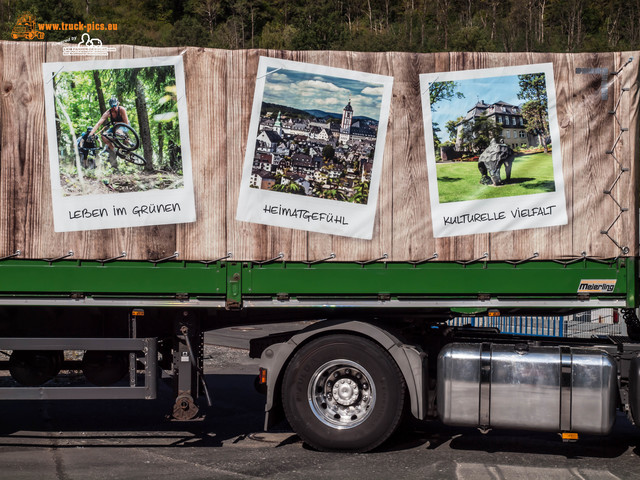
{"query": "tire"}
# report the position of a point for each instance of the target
(104, 368)
(134, 158)
(32, 368)
(343, 392)
(124, 137)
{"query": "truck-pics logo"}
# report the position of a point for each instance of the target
(597, 286)
(26, 27)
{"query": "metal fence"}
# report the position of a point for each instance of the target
(603, 321)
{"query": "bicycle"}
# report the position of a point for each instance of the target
(124, 139)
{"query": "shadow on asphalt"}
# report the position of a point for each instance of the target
(238, 410)
(435, 435)
(238, 413)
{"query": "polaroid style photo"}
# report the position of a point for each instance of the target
(493, 150)
(314, 153)
(118, 141)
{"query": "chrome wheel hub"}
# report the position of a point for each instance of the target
(345, 391)
(341, 394)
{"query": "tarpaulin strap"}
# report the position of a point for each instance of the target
(565, 388)
(484, 410)
(621, 169)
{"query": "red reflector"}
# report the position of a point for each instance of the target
(616, 315)
(262, 376)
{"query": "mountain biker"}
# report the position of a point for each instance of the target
(115, 114)
(86, 142)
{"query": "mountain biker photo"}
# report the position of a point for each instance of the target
(117, 127)
(118, 141)
(115, 114)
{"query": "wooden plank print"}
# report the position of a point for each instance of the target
(220, 87)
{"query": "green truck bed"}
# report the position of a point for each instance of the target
(587, 283)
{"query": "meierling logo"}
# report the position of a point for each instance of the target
(605, 286)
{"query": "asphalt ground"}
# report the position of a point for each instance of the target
(66, 440)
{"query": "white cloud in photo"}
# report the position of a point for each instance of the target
(278, 77)
(368, 106)
(332, 102)
(373, 91)
(277, 87)
(327, 93)
(319, 85)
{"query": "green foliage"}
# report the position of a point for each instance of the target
(535, 110)
(471, 39)
(533, 87)
(318, 26)
(290, 187)
(328, 152)
(477, 134)
(333, 193)
(535, 115)
(361, 192)
(439, 91)
(372, 25)
(278, 36)
(460, 181)
(77, 93)
(452, 129)
(290, 112)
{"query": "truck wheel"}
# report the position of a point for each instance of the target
(32, 368)
(104, 368)
(343, 392)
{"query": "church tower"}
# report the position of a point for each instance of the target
(277, 126)
(345, 125)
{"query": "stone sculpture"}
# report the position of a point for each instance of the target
(492, 159)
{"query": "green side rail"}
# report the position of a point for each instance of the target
(237, 281)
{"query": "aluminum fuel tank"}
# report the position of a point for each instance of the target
(516, 386)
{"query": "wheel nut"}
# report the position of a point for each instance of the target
(365, 386)
(347, 372)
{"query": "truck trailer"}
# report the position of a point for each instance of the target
(137, 300)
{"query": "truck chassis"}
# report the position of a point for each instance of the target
(381, 350)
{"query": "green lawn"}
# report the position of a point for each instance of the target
(460, 181)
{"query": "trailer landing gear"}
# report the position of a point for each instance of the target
(185, 408)
(188, 373)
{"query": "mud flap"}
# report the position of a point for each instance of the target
(634, 390)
